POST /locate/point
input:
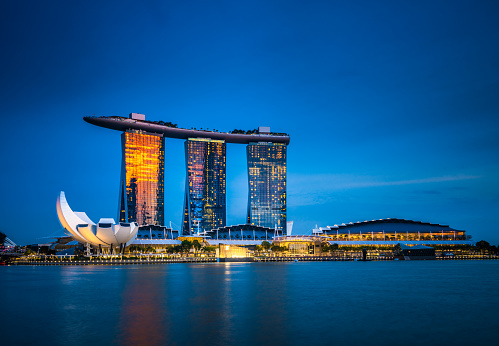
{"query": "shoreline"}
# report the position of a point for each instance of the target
(230, 260)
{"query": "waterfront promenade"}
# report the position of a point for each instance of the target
(261, 259)
(117, 261)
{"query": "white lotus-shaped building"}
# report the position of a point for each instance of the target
(106, 233)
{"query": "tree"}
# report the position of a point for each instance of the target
(3, 236)
(134, 248)
(196, 245)
(150, 249)
(326, 248)
(177, 249)
(258, 248)
(209, 249)
(266, 245)
(186, 246)
(275, 248)
(482, 245)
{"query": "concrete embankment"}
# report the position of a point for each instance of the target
(214, 260)
(119, 262)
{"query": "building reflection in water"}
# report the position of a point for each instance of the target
(266, 319)
(144, 316)
(249, 304)
(204, 304)
(231, 303)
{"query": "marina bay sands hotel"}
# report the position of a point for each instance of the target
(142, 173)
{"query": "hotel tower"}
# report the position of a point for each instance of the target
(142, 178)
(142, 173)
(204, 203)
(267, 185)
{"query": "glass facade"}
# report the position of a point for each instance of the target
(142, 178)
(267, 185)
(205, 203)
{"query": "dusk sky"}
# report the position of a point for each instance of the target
(392, 107)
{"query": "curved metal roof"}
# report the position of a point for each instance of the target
(389, 220)
(156, 242)
(233, 242)
(299, 238)
(123, 124)
(243, 227)
(403, 242)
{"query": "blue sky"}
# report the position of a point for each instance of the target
(392, 108)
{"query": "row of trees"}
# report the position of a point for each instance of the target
(242, 132)
(251, 132)
(167, 123)
(185, 247)
(484, 246)
(136, 248)
(266, 246)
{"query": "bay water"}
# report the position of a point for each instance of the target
(303, 303)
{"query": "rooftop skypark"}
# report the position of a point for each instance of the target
(142, 197)
(168, 129)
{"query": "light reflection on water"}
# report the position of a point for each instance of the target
(379, 303)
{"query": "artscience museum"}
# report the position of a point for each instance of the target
(106, 233)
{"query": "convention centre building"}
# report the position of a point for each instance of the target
(376, 234)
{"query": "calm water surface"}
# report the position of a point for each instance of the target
(333, 303)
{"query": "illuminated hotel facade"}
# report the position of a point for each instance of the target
(142, 175)
(142, 178)
(205, 202)
(267, 185)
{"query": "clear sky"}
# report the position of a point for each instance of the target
(392, 106)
